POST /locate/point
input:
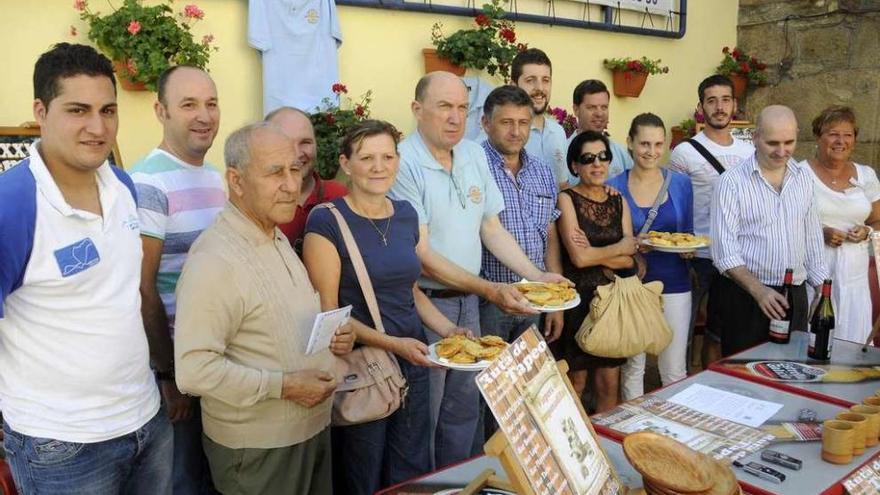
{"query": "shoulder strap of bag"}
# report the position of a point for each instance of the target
(359, 267)
(655, 208)
(708, 156)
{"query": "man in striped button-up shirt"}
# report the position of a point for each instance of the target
(763, 222)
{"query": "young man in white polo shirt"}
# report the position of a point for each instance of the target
(80, 403)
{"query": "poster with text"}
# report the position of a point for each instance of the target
(537, 412)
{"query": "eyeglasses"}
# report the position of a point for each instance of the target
(588, 158)
(458, 191)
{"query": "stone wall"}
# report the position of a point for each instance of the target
(818, 52)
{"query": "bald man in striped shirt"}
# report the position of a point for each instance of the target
(763, 221)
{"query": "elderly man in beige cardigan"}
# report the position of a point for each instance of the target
(245, 308)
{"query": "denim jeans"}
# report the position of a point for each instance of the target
(455, 403)
(387, 451)
(137, 463)
(509, 327)
(192, 476)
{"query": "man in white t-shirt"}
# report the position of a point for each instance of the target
(80, 404)
(179, 195)
(718, 105)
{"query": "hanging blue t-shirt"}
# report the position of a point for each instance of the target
(669, 268)
(393, 269)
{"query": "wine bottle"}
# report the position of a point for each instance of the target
(822, 326)
(779, 331)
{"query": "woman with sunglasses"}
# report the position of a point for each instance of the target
(588, 208)
(644, 186)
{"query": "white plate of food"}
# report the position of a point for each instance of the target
(465, 354)
(549, 297)
(675, 242)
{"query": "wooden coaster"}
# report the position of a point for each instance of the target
(669, 465)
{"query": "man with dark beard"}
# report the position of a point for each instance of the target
(703, 159)
(531, 70)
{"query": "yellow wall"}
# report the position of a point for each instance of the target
(382, 52)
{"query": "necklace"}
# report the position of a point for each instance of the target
(827, 172)
(383, 235)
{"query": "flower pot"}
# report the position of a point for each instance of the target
(678, 135)
(629, 83)
(126, 83)
(435, 63)
(740, 83)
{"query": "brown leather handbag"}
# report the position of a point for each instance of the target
(371, 385)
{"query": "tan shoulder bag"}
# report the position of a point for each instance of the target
(371, 385)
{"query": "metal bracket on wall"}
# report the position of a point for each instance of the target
(611, 19)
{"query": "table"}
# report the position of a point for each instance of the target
(844, 353)
(458, 475)
(816, 476)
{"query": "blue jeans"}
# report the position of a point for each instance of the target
(455, 399)
(387, 451)
(191, 473)
(136, 463)
(493, 321)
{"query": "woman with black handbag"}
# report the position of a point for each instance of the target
(369, 453)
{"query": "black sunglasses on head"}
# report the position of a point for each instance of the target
(588, 158)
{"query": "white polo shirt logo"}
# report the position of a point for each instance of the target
(77, 257)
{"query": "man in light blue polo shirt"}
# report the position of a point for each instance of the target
(590, 105)
(531, 70)
(448, 182)
(80, 404)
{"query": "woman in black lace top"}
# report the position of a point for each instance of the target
(605, 220)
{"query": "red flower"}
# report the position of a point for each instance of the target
(744, 68)
(725, 50)
(631, 65)
(330, 118)
(360, 110)
(339, 88)
(134, 27)
(79, 5)
(482, 20)
(72, 30)
(736, 53)
(131, 67)
(508, 35)
(191, 11)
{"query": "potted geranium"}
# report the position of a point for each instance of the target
(490, 46)
(331, 122)
(568, 121)
(685, 129)
(742, 70)
(143, 41)
(630, 74)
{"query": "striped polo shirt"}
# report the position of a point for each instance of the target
(176, 202)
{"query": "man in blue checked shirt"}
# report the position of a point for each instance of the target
(763, 221)
(529, 190)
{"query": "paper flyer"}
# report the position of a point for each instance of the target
(325, 327)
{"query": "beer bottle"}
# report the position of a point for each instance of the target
(822, 326)
(779, 332)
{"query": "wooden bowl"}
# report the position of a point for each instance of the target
(667, 464)
(725, 480)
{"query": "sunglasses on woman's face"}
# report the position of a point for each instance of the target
(588, 158)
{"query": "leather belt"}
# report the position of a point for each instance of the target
(443, 293)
